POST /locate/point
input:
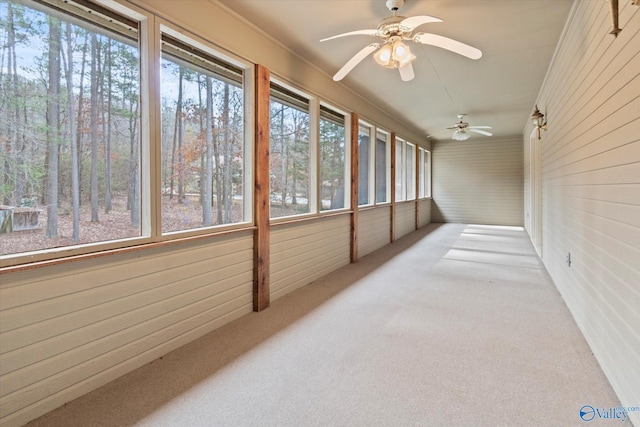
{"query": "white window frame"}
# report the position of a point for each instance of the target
(347, 157)
(314, 124)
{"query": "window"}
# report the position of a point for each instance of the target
(290, 182)
(410, 169)
(364, 164)
(383, 166)
(425, 173)
(70, 126)
(333, 165)
(202, 105)
(400, 171)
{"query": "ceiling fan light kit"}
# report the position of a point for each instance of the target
(460, 130)
(460, 135)
(391, 52)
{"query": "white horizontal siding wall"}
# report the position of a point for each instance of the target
(591, 185)
(374, 229)
(424, 212)
(302, 252)
(405, 218)
(478, 181)
(68, 329)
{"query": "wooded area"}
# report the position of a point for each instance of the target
(70, 134)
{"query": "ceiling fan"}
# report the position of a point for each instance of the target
(391, 51)
(460, 129)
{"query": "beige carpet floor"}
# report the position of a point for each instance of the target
(453, 325)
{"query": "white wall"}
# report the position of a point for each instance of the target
(68, 329)
(591, 185)
(405, 218)
(424, 212)
(374, 229)
(478, 181)
(302, 252)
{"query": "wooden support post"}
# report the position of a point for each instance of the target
(354, 188)
(261, 197)
(392, 227)
(417, 187)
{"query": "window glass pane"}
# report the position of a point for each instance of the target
(381, 167)
(410, 168)
(289, 153)
(69, 125)
(332, 158)
(400, 175)
(427, 174)
(364, 142)
(420, 172)
(202, 139)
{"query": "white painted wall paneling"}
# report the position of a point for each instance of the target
(591, 185)
(405, 218)
(68, 329)
(304, 251)
(374, 229)
(478, 181)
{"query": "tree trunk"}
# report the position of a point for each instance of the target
(228, 217)
(176, 129)
(208, 175)
(106, 126)
(79, 117)
(53, 126)
(95, 51)
(75, 178)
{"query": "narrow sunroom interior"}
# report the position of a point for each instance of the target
(213, 213)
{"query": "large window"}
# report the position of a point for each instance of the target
(383, 165)
(410, 170)
(333, 150)
(289, 153)
(69, 126)
(425, 173)
(401, 188)
(364, 164)
(202, 138)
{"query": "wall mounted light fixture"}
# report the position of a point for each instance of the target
(614, 18)
(538, 121)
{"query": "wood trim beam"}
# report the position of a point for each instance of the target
(392, 225)
(417, 186)
(261, 244)
(354, 188)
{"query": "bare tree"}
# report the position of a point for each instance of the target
(208, 168)
(75, 177)
(53, 125)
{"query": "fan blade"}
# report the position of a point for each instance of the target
(406, 72)
(481, 132)
(449, 44)
(415, 21)
(355, 61)
(353, 33)
(479, 127)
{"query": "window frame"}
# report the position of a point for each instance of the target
(370, 166)
(387, 141)
(314, 123)
(347, 158)
(150, 28)
(166, 27)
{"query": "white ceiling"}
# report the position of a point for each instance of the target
(517, 38)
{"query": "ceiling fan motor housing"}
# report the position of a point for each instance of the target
(394, 5)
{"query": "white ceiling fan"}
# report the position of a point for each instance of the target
(391, 51)
(461, 129)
